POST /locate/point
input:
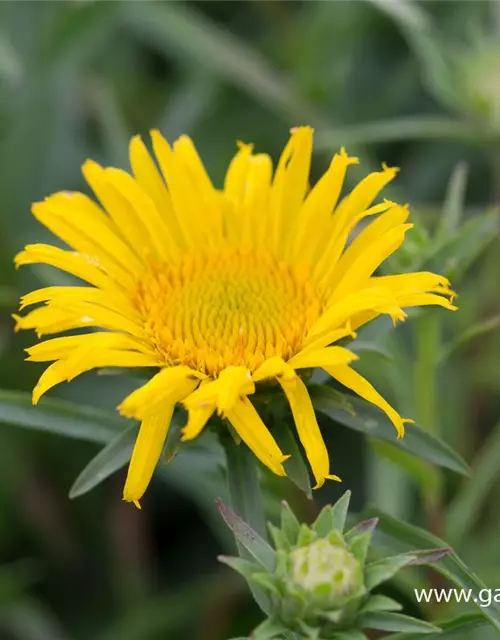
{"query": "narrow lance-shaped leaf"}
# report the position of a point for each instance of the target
(59, 417)
(371, 422)
(454, 629)
(295, 466)
(454, 201)
(389, 621)
(399, 535)
(250, 539)
(110, 459)
(380, 602)
(382, 570)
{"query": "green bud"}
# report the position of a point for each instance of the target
(325, 572)
(317, 580)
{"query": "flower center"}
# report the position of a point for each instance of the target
(230, 307)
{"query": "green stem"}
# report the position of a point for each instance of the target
(428, 337)
(244, 486)
(428, 346)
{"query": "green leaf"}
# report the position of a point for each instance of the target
(455, 629)
(463, 511)
(411, 464)
(407, 128)
(244, 483)
(388, 621)
(367, 346)
(407, 14)
(400, 535)
(381, 603)
(454, 202)
(355, 634)
(477, 330)
(296, 467)
(60, 417)
(429, 556)
(248, 538)
(110, 459)
(384, 569)
(454, 256)
(372, 422)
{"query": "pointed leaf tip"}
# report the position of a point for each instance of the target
(247, 537)
(428, 556)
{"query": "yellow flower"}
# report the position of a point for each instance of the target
(219, 289)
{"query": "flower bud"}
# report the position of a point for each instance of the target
(325, 573)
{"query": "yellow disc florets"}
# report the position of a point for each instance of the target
(226, 307)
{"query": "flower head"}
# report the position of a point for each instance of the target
(219, 289)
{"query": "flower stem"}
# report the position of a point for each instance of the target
(428, 344)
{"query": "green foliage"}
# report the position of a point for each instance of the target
(405, 82)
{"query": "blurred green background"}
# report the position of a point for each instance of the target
(414, 84)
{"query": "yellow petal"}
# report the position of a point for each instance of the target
(316, 212)
(147, 452)
(233, 382)
(67, 296)
(186, 207)
(116, 204)
(354, 381)
(328, 356)
(308, 429)
(273, 367)
(222, 393)
(290, 183)
(60, 348)
(67, 369)
(372, 298)
(77, 264)
(197, 419)
(148, 176)
(369, 249)
(170, 385)
(86, 228)
(249, 426)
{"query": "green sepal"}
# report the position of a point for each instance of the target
(290, 526)
(306, 536)
(362, 527)
(324, 522)
(270, 629)
(396, 622)
(243, 567)
(278, 537)
(267, 581)
(339, 512)
(359, 546)
(382, 570)
(380, 603)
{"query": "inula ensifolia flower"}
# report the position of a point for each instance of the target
(219, 289)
